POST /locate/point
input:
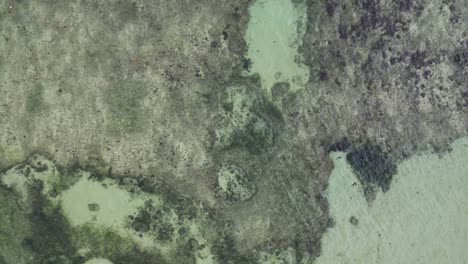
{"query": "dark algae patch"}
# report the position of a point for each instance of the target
(280, 89)
(247, 118)
(35, 228)
(106, 243)
(256, 136)
(353, 220)
(13, 228)
(53, 240)
(372, 166)
(50, 239)
(152, 220)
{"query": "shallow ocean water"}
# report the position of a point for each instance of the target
(423, 218)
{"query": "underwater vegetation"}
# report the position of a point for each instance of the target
(206, 132)
(372, 166)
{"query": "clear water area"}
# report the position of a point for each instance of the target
(274, 34)
(423, 218)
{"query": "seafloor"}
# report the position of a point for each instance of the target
(233, 131)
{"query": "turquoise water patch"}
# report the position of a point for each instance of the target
(423, 218)
(274, 33)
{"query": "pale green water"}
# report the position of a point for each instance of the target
(423, 218)
(115, 204)
(274, 34)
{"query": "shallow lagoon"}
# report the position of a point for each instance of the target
(274, 34)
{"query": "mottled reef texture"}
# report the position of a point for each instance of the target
(387, 76)
(153, 91)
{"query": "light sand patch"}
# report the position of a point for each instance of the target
(274, 33)
(114, 204)
(105, 204)
(423, 218)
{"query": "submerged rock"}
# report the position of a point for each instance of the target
(234, 184)
(247, 119)
(372, 165)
